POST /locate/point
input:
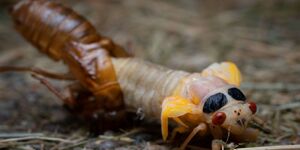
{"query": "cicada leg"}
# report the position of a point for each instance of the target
(38, 71)
(174, 107)
(78, 99)
(201, 129)
(83, 103)
(180, 129)
(74, 100)
(66, 100)
(216, 131)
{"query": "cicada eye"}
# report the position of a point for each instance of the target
(236, 94)
(214, 103)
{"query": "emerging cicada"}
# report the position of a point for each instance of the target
(209, 102)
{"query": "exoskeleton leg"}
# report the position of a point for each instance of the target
(38, 71)
(82, 102)
(77, 99)
(66, 100)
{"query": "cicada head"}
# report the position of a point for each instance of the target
(228, 107)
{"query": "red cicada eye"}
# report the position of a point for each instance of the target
(219, 118)
(252, 107)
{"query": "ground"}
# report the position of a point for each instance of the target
(261, 37)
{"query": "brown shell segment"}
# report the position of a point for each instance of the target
(49, 25)
(64, 35)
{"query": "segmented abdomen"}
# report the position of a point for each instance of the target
(48, 26)
(145, 85)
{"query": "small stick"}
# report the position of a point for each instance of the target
(261, 125)
(70, 146)
(37, 71)
(131, 132)
(10, 56)
(17, 135)
(289, 106)
(116, 138)
(258, 120)
(35, 138)
(278, 86)
(279, 147)
(77, 142)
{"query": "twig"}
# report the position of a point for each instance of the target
(279, 147)
(21, 143)
(122, 137)
(71, 146)
(18, 135)
(289, 106)
(131, 132)
(271, 86)
(35, 138)
(10, 56)
(116, 138)
(261, 125)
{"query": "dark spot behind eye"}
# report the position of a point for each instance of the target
(214, 103)
(236, 94)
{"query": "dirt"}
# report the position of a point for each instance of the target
(261, 37)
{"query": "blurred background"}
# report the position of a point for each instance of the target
(261, 37)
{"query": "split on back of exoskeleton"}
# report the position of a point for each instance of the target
(210, 102)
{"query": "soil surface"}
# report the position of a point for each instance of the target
(261, 37)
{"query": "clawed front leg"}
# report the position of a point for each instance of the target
(174, 107)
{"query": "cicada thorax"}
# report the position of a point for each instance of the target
(64, 35)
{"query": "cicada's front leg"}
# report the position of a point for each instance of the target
(174, 107)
